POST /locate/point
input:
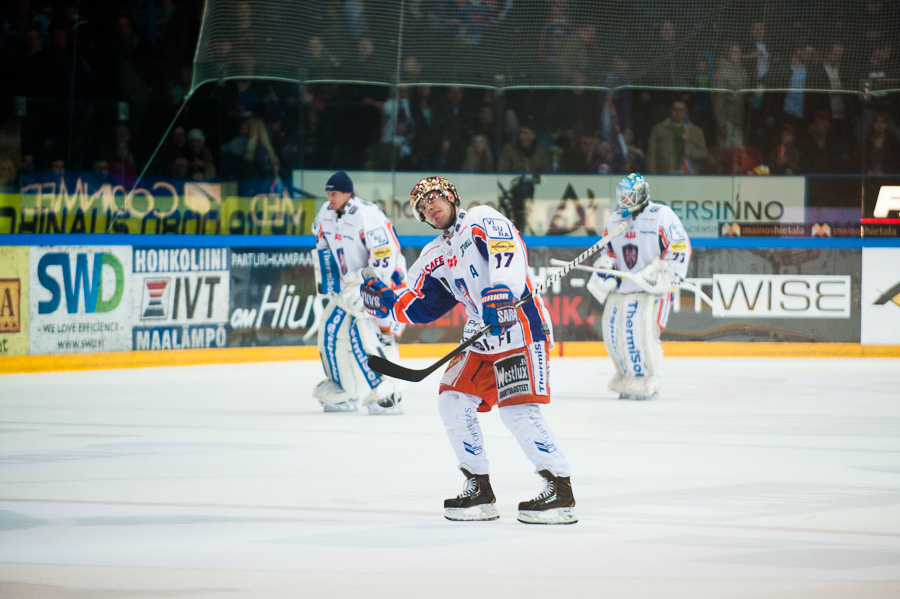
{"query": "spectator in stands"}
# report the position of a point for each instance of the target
(633, 160)
(578, 52)
(454, 120)
(427, 141)
(397, 134)
(555, 30)
(524, 155)
(174, 146)
(879, 72)
(199, 157)
(122, 167)
(760, 62)
(669, 57)
(100, 174)
(784, 159)
(479, 158)
(881, 151)
(675, 146)
(617, 103)
(146, 18)
(843, 108)
(820, 150)
(180, 168)
(730, 108)
(699, 99)
(476, 17)
(794, 106)
(581, 156)
(8, 179)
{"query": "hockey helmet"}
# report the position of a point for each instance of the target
(632, 192)
(427, 185)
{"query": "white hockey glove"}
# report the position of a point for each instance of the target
(600, 285)
(658, 276)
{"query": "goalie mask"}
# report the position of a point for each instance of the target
(428, 184)
(631, 193)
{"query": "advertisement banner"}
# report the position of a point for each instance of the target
(180, 298)
(273, 297)
(80, 203)
(581, 204)
(798, 295)
(80, 299)
(881, 206)
(881, 296)
(13, 300)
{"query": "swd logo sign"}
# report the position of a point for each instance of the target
(80, 299)
(82, 284)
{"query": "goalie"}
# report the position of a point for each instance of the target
(353, 236)
(657, 249)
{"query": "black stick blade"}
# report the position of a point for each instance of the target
(388, 368)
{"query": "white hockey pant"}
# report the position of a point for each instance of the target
(345, 344)
(459, 412)
(631, 326)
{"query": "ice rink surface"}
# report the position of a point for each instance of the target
(762, 478)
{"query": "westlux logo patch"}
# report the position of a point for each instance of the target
(10, 303)
(512, 377)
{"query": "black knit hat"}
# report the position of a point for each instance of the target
(340, 181)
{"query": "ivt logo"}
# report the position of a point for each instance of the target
(87, 280)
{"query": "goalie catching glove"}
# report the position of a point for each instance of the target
(498, 308)
(601, 284)
(378, 298)
(658, 277)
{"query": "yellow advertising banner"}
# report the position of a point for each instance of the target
(13, 300)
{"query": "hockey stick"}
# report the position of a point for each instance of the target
(621, 274)
(388, 368)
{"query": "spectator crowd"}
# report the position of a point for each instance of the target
(93, 87)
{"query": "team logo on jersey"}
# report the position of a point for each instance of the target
(497, 228)
(502, 245)
(376, 237)
(630, 253)
(676, 232)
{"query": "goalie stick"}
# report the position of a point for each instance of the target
(621, 274)
(386, 367)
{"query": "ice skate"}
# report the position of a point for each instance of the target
(387, 405)
(476, 502)
(554, 505)
(351, 405)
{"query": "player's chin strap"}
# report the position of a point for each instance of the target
(388, 368)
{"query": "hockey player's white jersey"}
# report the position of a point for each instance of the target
(362, 236)
(655, 232)
(481, 250)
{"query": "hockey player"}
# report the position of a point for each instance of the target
(480, 261)
(657, 249)
(353, 235)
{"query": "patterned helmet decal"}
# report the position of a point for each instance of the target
(428, 184)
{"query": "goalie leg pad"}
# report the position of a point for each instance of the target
(341, 346)
(459, 413)
(631, 335)
(535, 437)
